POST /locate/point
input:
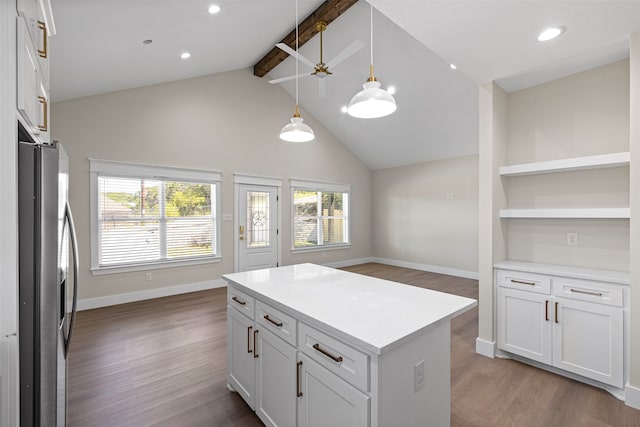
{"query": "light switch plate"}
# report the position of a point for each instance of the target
(418, 375)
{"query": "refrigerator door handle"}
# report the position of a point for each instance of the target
(74, 249)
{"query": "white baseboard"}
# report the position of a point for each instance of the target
(632, 396)
(89, 303)
(348, 262)
(485, 348)
(426, 267)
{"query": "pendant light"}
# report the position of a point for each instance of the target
(372, 101)
(297, 130)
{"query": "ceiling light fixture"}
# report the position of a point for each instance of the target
(372, 101)
(185, 55)
(391, 90)
(551, 33)
(213, 9)
(297, 130)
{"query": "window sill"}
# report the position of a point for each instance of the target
(99, 271)
(320, 248)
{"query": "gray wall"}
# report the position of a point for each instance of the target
(227, 122)
(414, 221)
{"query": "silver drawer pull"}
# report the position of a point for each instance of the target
(523, 282)
(337, 359)
(268, 319)
(239, 301)
(578, 291)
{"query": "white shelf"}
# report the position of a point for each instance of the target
(602, 161)
(603, 213)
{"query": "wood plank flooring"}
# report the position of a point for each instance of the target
(162, 362)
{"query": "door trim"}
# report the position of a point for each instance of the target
(265, 181)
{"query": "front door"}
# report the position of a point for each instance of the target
(257, 231)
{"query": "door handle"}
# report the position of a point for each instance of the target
(249, 339)
(546, 310)
(76, 269)
(255, 349)
(269, 319)
(557, 312)
(298, 386)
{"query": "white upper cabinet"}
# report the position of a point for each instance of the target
(34, 26)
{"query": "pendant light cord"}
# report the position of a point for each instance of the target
(296, 56)
(371, 76)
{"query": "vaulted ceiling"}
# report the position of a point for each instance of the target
(98, 48)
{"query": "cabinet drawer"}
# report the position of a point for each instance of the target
(280, 324)
(524, 281)
(241, 301)
(586, 290)
(341, 359)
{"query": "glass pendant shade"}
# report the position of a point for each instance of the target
(371, 102)
(297, 131)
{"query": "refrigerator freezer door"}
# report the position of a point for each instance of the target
(38, 283)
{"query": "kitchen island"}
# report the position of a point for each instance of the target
(314, 346)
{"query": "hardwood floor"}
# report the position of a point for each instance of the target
(162, 362)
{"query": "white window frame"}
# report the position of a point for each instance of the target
(309, 185)
(111, 168)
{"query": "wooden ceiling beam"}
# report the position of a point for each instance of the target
(328, 11)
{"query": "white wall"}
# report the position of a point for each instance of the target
(580, 115)
(492, 231)
(634, 142)
(227, 122)
(415, 223)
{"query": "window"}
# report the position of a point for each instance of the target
(147, 216)
(320, 215)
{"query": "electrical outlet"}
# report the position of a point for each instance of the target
(418, 375)
(572, 238)
(148, 277)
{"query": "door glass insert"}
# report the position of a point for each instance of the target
(257, 219)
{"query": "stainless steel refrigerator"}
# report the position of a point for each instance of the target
(47, 297)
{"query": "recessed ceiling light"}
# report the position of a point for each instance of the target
(550, 33)
(147, 41)
(213, 9)
(453, 66)
(344, 109)
(185, 55)
(391, 90)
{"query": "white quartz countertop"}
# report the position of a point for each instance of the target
(374, 313)
(620, 277)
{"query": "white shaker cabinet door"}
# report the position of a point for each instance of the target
(524, 324)
(588, 340)
(240, 348)
(275, 380)
(28, 82)
(327, 400)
